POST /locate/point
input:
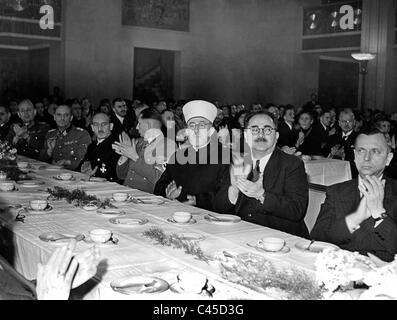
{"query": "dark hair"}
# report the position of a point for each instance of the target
(117, 100)
(5, 108)
(265, 113)
(324, 111)
(289, 107)
(306, 112)
(151, 113)
(169, 110)
(371, 131)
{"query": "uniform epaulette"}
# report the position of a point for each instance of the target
(79, 129)
(52, 130)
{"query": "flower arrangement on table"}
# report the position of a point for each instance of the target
(7, 152)
(339, 271)
(77, 197)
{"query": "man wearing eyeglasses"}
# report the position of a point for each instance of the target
(123, 121)
(341, 145)
(268, 187)
(101, 160)
(194, 174)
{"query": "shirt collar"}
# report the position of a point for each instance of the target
(347, 134)
(262, 162)
(120, 118)
(289, 125)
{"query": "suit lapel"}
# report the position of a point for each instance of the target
(272, 170)
(351, 197)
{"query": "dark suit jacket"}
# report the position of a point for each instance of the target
(287, 135)
(348, 146)
(200, 174)
(286, 197)
(4, 130)
(312, 144)
(343, 199)
(127, 126)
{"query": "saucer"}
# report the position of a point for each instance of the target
(315, 247)
(46, 210)
(49, 236)
(207, 291)
(139, 285)
(30, 183)
(111, 212)
(10, 191)
(192, 221)
(130, 222)
(58, 178)
(90, 207)
(285, 249)
(112, 242)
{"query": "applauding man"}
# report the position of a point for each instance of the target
(101, 160)
(142, 161)
(66, 145)
(273, 191)
(28, 135)
(195, 174)
(361, 214)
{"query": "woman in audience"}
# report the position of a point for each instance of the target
(309, 141)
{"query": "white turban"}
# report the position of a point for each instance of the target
(200, 108)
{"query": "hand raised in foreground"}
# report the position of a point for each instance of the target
(172, 191)
(63, 272)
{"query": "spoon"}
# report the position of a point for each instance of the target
(214, 217)
(310, 244)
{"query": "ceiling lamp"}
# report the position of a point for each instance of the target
(363, 56)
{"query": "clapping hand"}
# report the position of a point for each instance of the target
(373, 190)
(126, 147)
(288, 150)
(172, 191)
(51, 146)
(20, 133)
(301, 139)
(87, 169)
(88, 261)
(249, 188)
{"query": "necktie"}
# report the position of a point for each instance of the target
(256, 172)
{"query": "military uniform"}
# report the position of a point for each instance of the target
(71, 144)
(105, 158)
(31, 146)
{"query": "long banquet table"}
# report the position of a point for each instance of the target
(135, 254)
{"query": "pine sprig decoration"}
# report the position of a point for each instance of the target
(77, 197)
(293, 284)
(176, 242)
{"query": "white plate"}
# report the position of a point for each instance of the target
(46, 210)
(224, 219)
(126, 221)
(146, 200)
(191, 236)
(192, 221)
(30, 183)
(111, 212)
(114, 241)
(58, 178)
(55, 168)
(46, 237)
(93, 179)
(139, 285)
(285, 249)
(315, 247)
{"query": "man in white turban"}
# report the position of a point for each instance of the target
(194, 174)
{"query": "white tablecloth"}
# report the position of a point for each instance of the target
(135, 254)
(327, 172)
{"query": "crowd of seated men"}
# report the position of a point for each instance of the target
(235, 159)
